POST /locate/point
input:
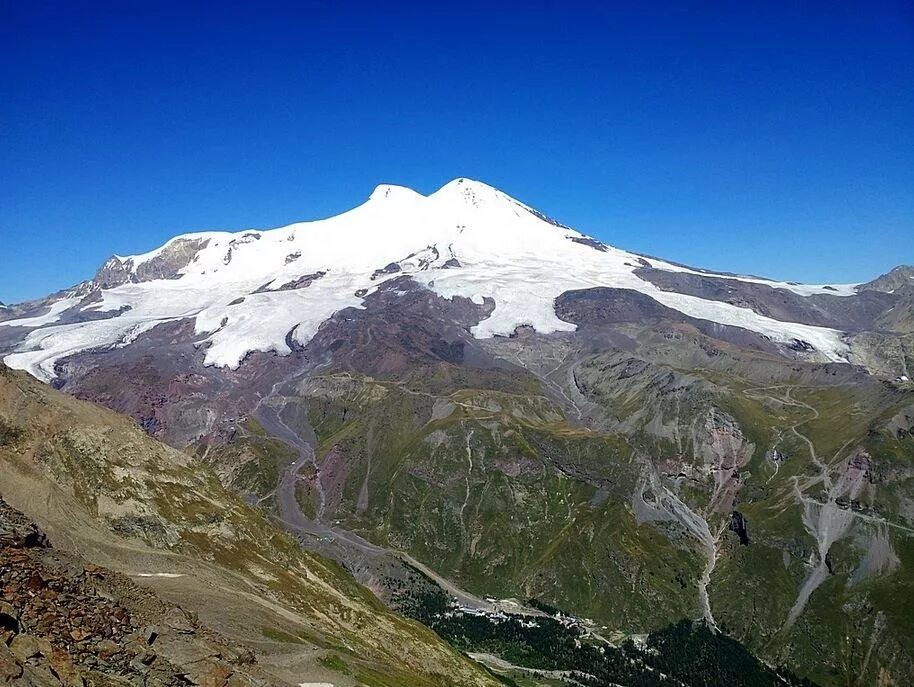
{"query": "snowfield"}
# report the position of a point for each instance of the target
(466, 239)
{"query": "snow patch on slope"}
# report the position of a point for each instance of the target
(801, 289)
(52, 315)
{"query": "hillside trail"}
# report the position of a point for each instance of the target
(824, 475)
(824, 520)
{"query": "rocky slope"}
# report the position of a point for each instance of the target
(101, 488)
(68, 622)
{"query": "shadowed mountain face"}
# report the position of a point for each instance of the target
(518, 411)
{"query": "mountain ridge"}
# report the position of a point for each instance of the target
(467, 240)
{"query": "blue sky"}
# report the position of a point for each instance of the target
(768, 138)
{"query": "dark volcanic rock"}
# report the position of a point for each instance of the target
(739, 525)
(591, 243)
(402, 324)
(849, 313)
(302, 282)
(605, 307)
(64, 621)
(392, 268)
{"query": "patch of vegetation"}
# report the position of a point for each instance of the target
(482, 477)
(543, 606)
(146, 528)
(278, 635)
(334, 662)
(9, 434)
(506, 498)
(682, 653)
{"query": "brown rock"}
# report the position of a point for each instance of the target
(107, 648)
(79, 634)
(26, 646)
(10, 668)
(34, 584)
(63, 666)
(213, 675)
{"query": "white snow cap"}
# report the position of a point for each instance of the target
(394, 193)
(233, 287)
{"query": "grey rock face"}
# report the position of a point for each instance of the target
(113, 273)
(166, 265)
(901, 277)
(602, 307)
(848, 313)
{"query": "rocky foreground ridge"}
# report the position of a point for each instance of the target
(64, 621)
(159, 576)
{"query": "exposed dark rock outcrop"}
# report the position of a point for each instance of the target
(739, 526)
(388, 269)
(402, 324)
(901, 277)
(603, 306)
(301, 282)
(849, 313)
(589, 242)
(64, 621)
(167, 264)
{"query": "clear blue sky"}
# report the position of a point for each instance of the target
(770, 138)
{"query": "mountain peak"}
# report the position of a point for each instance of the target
(461, 184)
(462, 189)
(899, 277)
(471, 192)
(394, 192)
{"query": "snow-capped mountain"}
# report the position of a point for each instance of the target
(269, 290)
(521, 410)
